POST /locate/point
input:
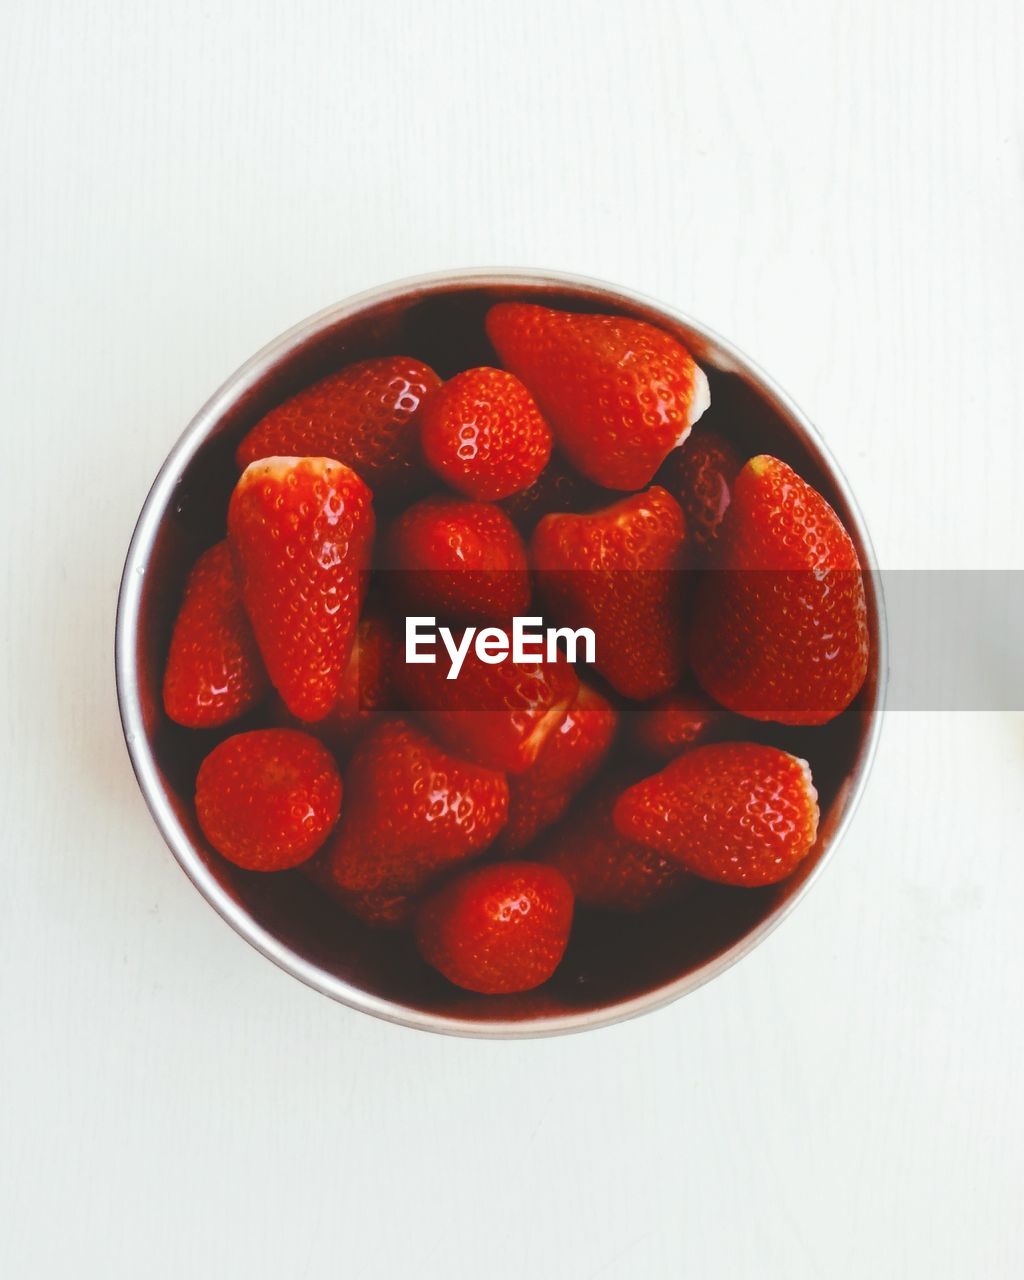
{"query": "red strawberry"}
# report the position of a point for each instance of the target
(673, 723)
(566, 761)
(268, 799)
(608, 870)
(381, 908)
(366, 688)
(365, 416)
(412, 811)
(557, 488)
(619, 393)
(450, 558)
(483, 434)
(497, 714)
(213, 672)
(735, 812)
(701, 475)
(529, 814)
(619, 572)
(301, 530)
(366, 685)
(368, 676)
(780, 629)
(497, 929)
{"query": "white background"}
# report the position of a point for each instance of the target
(839, 187)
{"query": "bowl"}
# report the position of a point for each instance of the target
(615, 967)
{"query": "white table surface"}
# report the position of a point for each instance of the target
(837, 187)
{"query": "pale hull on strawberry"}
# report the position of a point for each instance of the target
(570, 756)
(301, 530)
(499, 714)
(735, 812)
(620, 394)
(780, 629)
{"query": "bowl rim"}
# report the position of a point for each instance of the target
(141, 754)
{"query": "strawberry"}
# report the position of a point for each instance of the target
(780, 628)
(498, 714)
(268, 799)
(701, 475)
(673, 723)
(497, 929)
(557, 488)
(381, 908)
(366, 685)
(366, 690)
(736, 812)
(213, 672)
(301, 530)
(364, 416)
(566, 761)
(619, 572)
(368, 676)
(530, 812)
(483, 434)
(619, 393)
(608, 870)
(413, 810)
(452, 558)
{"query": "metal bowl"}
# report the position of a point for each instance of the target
(615, 967)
